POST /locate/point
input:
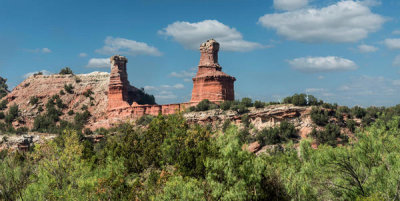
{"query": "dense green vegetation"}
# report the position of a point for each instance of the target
(144, 98)
(3, 87)
(302, 100)
(171, 160)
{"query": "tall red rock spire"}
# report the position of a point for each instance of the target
(210, 82)
(119, 84)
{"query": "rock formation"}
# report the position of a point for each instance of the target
(210, 82)
(114, 99)
(118, 88)
(45, 86)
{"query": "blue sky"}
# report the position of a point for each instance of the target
(341, 51)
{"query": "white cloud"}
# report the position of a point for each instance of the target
(39, 50)
(165, 95)
(187, 80)
(368, 90)
(127, 47)
(371, 2)
(46, 50)
(320, 77)
(367, 48)
(98, 63)
(396, 61)
(370, 86)
(396, 32)
(191, 35)
(396, 82)
(322, 64)
(289, 4)
(149, 88)
(45, 72)
(184, 73)
(164, 87)
(314, 90)
(392, 43)
(345, 21)
(83, 54)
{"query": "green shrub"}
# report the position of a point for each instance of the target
(144, 120)
(3, 87)
(81, 119)
(88, 93)
(319, 116)
(60, 104)
(343, 110)
(84, 107)
(87, 131)
(34, 100)
(77, 79)
(259, 104)
(330, 106)
(192, 108)
(247, 102)
(203, 105)
(226, 125)
(351, 125)
(329, 135)
(69, 88)
(62, 92)
(358, 112)
(284, 132)
(40, 109)
(226, 105)
(2, 115)
(3, 104)
(241, 109)
(70, 112)
(101, 131)
(22, 130)
(12, 114)
(302, 100)
(245, 120)
(66, 71)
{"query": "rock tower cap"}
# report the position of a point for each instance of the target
(210, 46)
(118, 58)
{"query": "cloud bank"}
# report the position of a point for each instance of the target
(322, 64)
(345, 21)
(191, 35)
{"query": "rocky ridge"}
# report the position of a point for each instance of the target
(45, 86)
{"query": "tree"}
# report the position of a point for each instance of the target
(14, 176)
(319, 116)
(226, 105)
(66, 71)
(259, 104)
(204, 105)
(247, 102)
(328, 136)
(246, 178)
(3, 87)
(13, 113)
(69, 88)
(61, 172)
(358, 112)
(178, 188)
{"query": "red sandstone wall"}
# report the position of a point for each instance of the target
(212, 89)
